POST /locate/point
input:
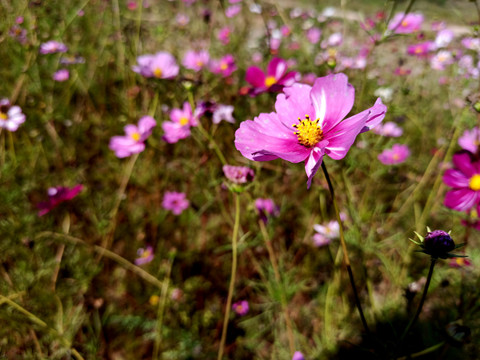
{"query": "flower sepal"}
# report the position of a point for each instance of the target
(437, 244)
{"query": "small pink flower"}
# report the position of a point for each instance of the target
(396, 155)
(388, 129)
(196, 61)
(144, 256)
(225, 66)
(179, 126)
(11, 117)
(61, 75)
(335, 39)
(52, 47)
(273, 80)
(444, 37)
(325, 233)
(441, 60)
(131, 5)
(285, 30)
(162, 65)
(233, 10)
(182, 19)
(266, 208)
(401, 71)
(224, 35)
(241, 307)
(57, 195)
(238, 174)
(406, 24)
(421, 49)
(470, 140)
(176, 202)
(460, 262)
(135, 136)
(298, 356)
(313, 35)
(223, 112)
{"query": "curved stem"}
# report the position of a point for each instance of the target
(424, 295)
(232, 276)
(345, 251)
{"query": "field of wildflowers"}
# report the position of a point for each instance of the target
(239, 179)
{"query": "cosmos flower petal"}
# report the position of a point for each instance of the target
(463, 162)
(333, 97)
(456, 179)
(313, 163)
(376, 114)
(461, 199)
(255, 77)
(293, 105)
(276, 68)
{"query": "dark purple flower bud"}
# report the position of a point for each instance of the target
(438, 243)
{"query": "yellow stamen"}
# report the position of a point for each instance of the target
(135, 136)
(3, 116)
(474, 183)
(199, 63)
(223, 66)
(404, 23)
(154, 299)
(309, 132)
(269, 81)
(396, 156)
(418, 50)
(183, 121)
(157, 72)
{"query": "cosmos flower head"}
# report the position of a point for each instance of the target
(437, 244)
(176, 202)
(11, 117)
(405, 24)
(308, 124)
(196, 61)
(161, 65)
(470, 140)
(443, 38)
(52, 47)
(460, 262)
(441, 60)
(464, 179)
(233, 10)
(275, 78)
(238, 174)
(313, 35)
(224, 35)
(298, 356)
(61, 75)
(396, 155)
(56, 196)
(388, 129)
(324, 234)
(135, 136)
(144, 256)
(241, 308)
(179, 126)
(225, 66)
(421, 49)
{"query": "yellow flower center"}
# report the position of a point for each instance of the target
(135, 136)
(404, 23)
(3, 116)
(183, 121)
(474, 183)
(223, 66)
(239, 308)
(270, 80)
(332, 52)
(145, 254)
(396, 156)
(418, 50)
(157, 72)
(309, 133)
(154, 299)
(199, 63)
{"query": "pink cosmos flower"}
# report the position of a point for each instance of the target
(233, 10)
(225, 66)
(441, 60)
(285, 30)
(52, 47)
(313, 35)
(444, 37)
(224, 35)
(464, 178)
(144, 256)
(421, 49)
(11, 117)
(223, 112)
(135, 136)
(176, 202)
(326, 233)
(162, 65)
(182, 19)
(459, 262)
(61, 75)
(298, 356)
(274, 80)
(401, 71)
(402, 24)
(266, 208)
(179, 127)
(196, 61)
(470, 140)
(388, 129)
(241, 307)
(471, 43)
(396, 155)
(238, 174)
(57, 195)
(308, 124)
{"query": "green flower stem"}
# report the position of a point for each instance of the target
(232, 276)
(424, 352)
(345, 251)
(278, 279)
(424, 295)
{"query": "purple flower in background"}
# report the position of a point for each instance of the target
(182, 19)
(441, 60)
(196, 61)
(144, 256)
(421, 49)
(470, 140)
(388, 129)
(223, 112)
(179, 127)
(298, 356)
(233, 10)
(61, 75)
(133, 141)
(238, 174)
(224, 35)
(18, 33)
(464, 178)
(444, 37)
(406, 24)
(225, 66)
(308, 124)
(57, 195)
(52, 47)
(266, 208)
(241, 307)
(396, 155)
(11, 117)
(313, 35)
(325, 233)
(176, 202)
(162, 65)
(274, 79)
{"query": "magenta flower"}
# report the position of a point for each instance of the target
(325, 233)
(298, 356)
(421, 49)
(238, 174)
(313, 35)
(61, 75)
(224, 35)
(225, 66)
(402, 24)
(11, 117)
(144, 256)
(57, 195)
(388, 129)
(241, 307)
(396, 155)
(470, 140)
(233, 10)
(52, 47)
(464, 178)
(274, 80)
(459, 262)
(162, 65)
(196, 61)
(179, 127)
(308, 124)
(176, 202)
(135, 136)
(266, 208)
